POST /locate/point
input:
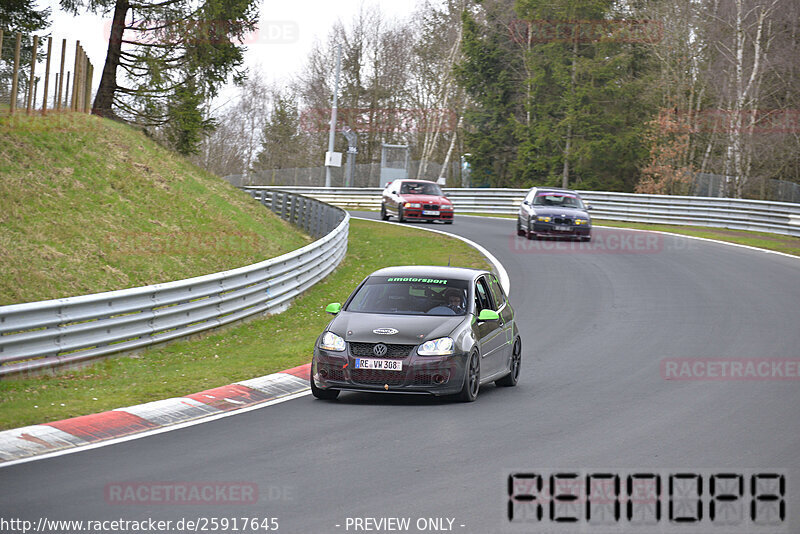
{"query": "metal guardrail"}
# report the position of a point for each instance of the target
(39, 335)
(736, 214)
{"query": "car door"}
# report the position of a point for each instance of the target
(503, 308)
(490, 333)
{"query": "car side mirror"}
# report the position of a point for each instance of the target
(488, 315)
(526, 202)
(589, 207)
(333, 308)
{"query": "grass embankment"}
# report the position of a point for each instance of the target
(248, 350)
(90, 205)
(776, 242)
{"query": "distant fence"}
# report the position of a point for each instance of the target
(23, 70)
(754, 215)
(716, 185)
(364, 175)
(36, 336)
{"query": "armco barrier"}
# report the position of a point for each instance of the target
(755, 215)
(39, 335)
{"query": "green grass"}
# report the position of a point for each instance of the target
(255, 348)
(92, 205)
(776, 242)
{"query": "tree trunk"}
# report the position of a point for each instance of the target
(567, 147)
(104, 99)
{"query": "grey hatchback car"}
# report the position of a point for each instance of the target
(424, 330)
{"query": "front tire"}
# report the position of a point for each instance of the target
(400, 216)
(384, 215)
(512, 377)
(323, 394)
(472, 379)
(530, 233)
(520, 231)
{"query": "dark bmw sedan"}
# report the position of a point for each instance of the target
(553, 212)
(424, 330)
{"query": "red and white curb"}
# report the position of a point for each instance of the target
(79, 432)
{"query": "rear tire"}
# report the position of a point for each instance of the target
(324, 394)
(384, 215)
(472, 379)
(512, 377)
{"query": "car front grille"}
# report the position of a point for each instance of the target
(562, 220)
(371, 376)
(365, 350)
(430, 206)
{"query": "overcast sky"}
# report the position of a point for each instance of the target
(287, 31)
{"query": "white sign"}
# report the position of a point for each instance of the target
(333, 159)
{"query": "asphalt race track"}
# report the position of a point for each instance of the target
(600, 327)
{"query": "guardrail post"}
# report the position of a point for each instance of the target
(276, 196)
(318, 220)
(285, 207)
(293, 214)
(304, 214)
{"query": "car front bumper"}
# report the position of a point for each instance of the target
(418, 214)
(549, 230)
(434, 375)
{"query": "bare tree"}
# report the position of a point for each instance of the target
(232, 147)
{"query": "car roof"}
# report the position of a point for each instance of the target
(428, 271)
(412, 180)
(555, 190)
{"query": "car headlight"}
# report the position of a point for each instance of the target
(447, 207)
(412, 205)
(581, 221)
(331, 341)
(437, 347)
(541, 218)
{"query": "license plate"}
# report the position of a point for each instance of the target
(562, 229)
(430, 212)
(382, 365)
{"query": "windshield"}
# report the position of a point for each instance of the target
(560, 200)
(411, 296)
(420, 188)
